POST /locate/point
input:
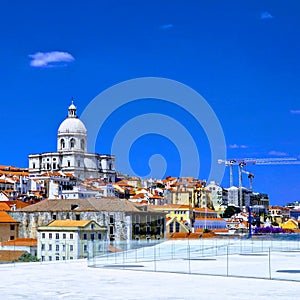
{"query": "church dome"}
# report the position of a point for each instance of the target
(72, 124)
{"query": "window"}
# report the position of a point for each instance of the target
(177, 227)
(64, 258)
(92, 226)
(92, 236)
(78, 163)
(137, 218)
(72, 143)
(71, 236)
(111, 229)
(82, 144)
(85, 236)
(50, 236)
(171, 226)
(64, 236)
(85, 248)
(99, 236)
(43, 258)
(111, 219)
(71, 257)
(71, 248)
(57, 248)
(62, 144)
(56, 257)
(57, 236)
(33, 165)
(136, 229)
(77, 216)
(12, 227)
(43, 247)
(64, 248)
(50, 258)
(12, 237)
(50, 247)
(148, 229)
(43, 235)
(158, 230)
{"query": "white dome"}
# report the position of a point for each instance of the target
(72, 125)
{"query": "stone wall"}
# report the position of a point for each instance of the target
(30, 221)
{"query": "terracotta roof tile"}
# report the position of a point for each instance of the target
(10, 255)
(21, 242)
(4, 206)
(69, 223)
(6, 218)
(110, 204)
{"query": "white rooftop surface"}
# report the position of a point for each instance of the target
(75, 280)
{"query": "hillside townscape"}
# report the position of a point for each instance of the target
(65, 199)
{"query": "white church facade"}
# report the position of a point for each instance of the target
(72, 156)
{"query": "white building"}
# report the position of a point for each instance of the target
(69, 239)
(216, 193)
(80, 192)
(233, 196)
(72, 156)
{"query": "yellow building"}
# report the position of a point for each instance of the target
(180, 211)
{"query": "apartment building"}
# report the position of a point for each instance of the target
(69, 239)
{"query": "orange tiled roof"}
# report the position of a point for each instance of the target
(215, 219)
(18, 203)
(69, 223)
(6, 218)
(21, 242)
(179, 235)
(10, 255)
(220, 230)
(4, 206)
(120, 183)
(203, 209)
(169, 206)
(138, 196)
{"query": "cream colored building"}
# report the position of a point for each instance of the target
(70, 239)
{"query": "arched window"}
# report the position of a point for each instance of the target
(82, 144)
(72, 143)
(62, 144)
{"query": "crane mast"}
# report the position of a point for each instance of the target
(242, 162)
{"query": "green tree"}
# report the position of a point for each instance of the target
(230, 211)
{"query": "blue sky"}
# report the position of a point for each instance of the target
(241, 56)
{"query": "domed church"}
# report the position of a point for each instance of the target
(72, 156)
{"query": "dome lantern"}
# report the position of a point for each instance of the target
(72, 110)
(72, 133)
